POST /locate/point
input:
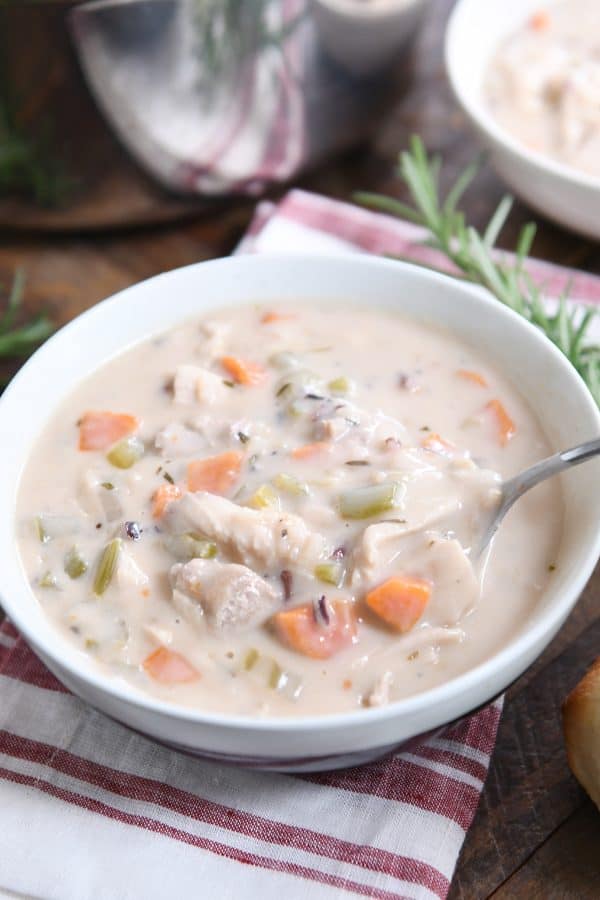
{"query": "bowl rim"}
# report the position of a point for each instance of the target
(457, 22)
(538, 633)
(365, 13)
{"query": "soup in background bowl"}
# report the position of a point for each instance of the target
(543, 84)
(245, 522)
(541, 128)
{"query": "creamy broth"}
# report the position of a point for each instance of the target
(276, 516)
(543, 84)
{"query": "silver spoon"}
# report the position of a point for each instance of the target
(514, 488)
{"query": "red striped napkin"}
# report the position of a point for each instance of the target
(89, 809)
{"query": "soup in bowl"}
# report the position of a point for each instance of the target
(247, 504)
(525, 74)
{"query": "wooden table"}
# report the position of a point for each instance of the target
(536, 835)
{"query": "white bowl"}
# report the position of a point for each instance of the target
(364, 37)
(474, 32)
(565, 406)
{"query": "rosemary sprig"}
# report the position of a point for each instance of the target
(474, 257)
(27, 166)
(21, 340)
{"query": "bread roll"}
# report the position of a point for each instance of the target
(581, 723)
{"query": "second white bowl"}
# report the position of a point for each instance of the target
(365, 37)
(475, 31)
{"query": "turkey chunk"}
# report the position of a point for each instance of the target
(386, 550)
(342, 420)
(175, 440)
(96, 499)
(195, 385)
(482, 487)
(228, 597)
(456, 498)
(206, 432)
(215, 335)
(455, 587)
(262, 539)
(381, 543)
(377, 549)
(380, 693)
(129, 574)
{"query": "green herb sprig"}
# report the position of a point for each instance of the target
(475, 259)
(28, 167)
(19, 341)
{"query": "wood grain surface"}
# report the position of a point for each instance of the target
(536, 835)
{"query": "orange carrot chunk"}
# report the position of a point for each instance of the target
(215, 474)
(100, 430)
(308, 451)
(300, 629)
(161, 498)
(244, 372)
(400, 601)
(540, 20)
(168, 667)
(469, 375)
(269, 317)
(437, 444)
(506, 427)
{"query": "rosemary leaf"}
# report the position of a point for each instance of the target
(27, 165)
(472, 256)
(22, 340)
(497, 222)
(14, 299)
(387, 205)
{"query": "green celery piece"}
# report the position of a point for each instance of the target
(75, 564)
(48, 580)
(263, 498)
(366, 502)
(107, 565)
(190, 546)
(251, 658)
(126, 453)
(330, 573)
(340, 385)
(290, 484)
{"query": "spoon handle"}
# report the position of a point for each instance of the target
(524, 481)
(552, 465)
